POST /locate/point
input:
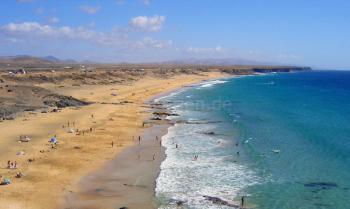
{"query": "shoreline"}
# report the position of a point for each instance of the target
(97, 193)
(54, 173)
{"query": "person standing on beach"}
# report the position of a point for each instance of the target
(139, 140)
(112, 144)
(154, 157)
(242, 201)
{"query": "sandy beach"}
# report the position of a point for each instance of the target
(57, 178)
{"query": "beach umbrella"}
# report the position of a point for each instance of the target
(53, 140)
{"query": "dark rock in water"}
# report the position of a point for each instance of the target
(180, 203)
(165, 114)
(318, 186)
(177, 202)
(202, 122)
(156, 118)
(321, 184)
(123, 208)
(219, 201)
(321, 205)
(209, 133)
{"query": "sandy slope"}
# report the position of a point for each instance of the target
(58, 171)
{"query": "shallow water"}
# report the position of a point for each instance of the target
(305, 116)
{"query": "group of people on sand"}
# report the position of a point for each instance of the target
(53, 142)
(24, 138)
(11, 165)
(154, 155)
(76, 131)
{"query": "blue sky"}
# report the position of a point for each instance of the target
(302, 32)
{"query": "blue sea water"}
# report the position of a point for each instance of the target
(281, 140)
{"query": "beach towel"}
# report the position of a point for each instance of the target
(6, 182)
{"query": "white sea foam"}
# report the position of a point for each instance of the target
(174, 93)
(211, 83)
(212, 174)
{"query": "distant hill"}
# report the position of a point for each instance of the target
(25, 60)
(51, 58)
(217, 61)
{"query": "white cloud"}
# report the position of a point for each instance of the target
(53, 20)
(37, 30)
(150, 24)
(34, 31)
(148, 42)
(196, 50)
(91, 10)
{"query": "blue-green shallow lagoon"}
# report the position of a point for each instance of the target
(303, 115)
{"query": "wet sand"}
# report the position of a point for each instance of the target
(126, 181)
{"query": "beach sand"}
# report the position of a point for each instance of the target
(126, 181)
(55, 175)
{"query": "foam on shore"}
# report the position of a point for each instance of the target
(214, 173)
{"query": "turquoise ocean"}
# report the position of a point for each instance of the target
(281, 140)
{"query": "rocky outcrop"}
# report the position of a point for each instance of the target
(60, 101)
(219, 201)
